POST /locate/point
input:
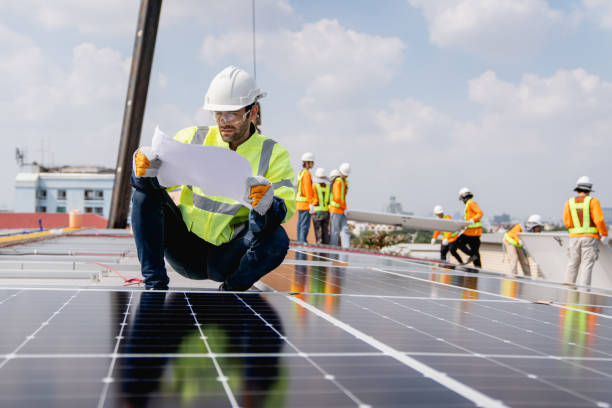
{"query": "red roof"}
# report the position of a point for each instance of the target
(10, 220)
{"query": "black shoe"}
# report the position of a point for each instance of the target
(471, 259)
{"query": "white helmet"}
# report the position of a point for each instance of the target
(345, 169)
(308, 156)
(534, 220)
(584, 183)
(232, 89)
(438, 210)
(320, 172)
(333, 174)
(464, 192)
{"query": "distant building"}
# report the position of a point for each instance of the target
(501, 219)
(63, 189)
(395, 207)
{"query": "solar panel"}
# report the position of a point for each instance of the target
(331, 328)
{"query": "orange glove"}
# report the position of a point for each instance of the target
(257, 193)
(146, 162)
(260, 193)
(142, 164)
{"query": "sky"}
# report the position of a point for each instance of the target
(511, 98)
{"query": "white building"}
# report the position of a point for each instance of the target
(63, 189)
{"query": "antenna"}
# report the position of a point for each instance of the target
(19, 156)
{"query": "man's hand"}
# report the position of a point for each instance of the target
(146, 163)
(312, 211)
(605, 240)
(520, 242)
(260, 193)
(433, 241)
(445, 242)
(471, 221)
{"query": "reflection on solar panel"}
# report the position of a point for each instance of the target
(331, 329)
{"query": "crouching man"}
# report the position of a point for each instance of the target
(212, 237)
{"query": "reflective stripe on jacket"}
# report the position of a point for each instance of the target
(583, 217)
(304, 194)
(218, 219)
(322, 195)
(337, 201)
(511, 236)
(473, 212)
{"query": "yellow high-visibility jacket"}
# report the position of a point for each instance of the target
(218, 219)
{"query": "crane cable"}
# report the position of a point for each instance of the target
(254, 54)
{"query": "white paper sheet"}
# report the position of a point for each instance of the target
(217, 171)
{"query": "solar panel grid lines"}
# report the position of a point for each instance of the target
(467, 392)
(325, 374)
(221, 378)
(9, 297)
(369, 284)
(530, 332)
(575, 364)
(467, 350)
(544, 322)
(151, 347)
(388, 262)
(598, 403)
(33, 334)
(108, 379)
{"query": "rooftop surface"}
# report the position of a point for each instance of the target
(327, 328)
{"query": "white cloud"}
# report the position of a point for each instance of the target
(120, 16)
(231, 15)
(499, 28)
(162, 80)
(99, 17)
(97, 77)
(532, 139)
(22, 61)
(599, 11)
(76, 109)
(334, 63)
(412, 121)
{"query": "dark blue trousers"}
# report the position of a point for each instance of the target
(303, 225)
(159, 232)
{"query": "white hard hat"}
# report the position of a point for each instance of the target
(464, 192)
(438, 210)
(232, 89)
(320, 172)
(534, 219)
(308, 156)
(584, 183)
(333, 174)
(345, 169)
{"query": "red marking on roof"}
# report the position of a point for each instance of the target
(49, 220)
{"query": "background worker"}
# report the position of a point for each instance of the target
(514, 247)
(584, 219)
(210, 237)
(304, 197)
(448, 238)
(337, 206)
(320, 217)
(469, 240)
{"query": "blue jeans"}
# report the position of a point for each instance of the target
(303, 225)
(159, 231)
(338, 225)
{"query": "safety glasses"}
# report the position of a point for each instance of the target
(230, 117)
